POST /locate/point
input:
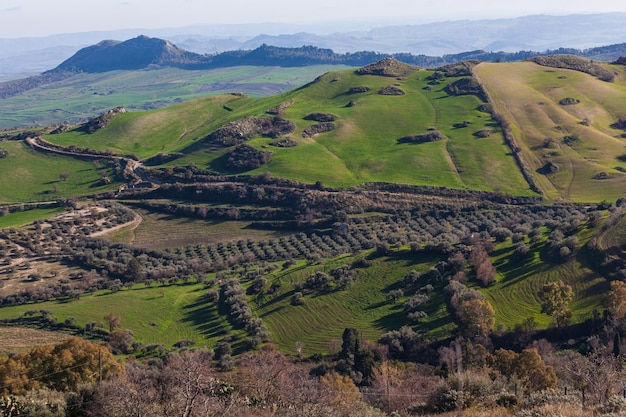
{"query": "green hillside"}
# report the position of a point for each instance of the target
(364, 147)
(87, 95)
(414, 170)
(29, 175)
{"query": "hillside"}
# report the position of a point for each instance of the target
(573, 150)
(365, 143)
(378, 218)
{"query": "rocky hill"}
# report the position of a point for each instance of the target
(133, 54)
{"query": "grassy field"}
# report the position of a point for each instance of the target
(158, 230)
(162, 315)
(364, 147)
(515, 294)
(321, 320)
(167, 314)
(19, 339)
(29, 175)
(26, 217)
(528, 95)
(88, 95)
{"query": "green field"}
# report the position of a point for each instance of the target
(323, 317)
(29, 175)
(87, 95)
(364, 147)
(515, 293)
(26, 217)
(161, 315)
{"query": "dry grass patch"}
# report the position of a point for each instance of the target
(19, 339)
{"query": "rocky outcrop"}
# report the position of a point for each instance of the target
(357, 89)
(280, 108)
(321, 117)
(549, 168)
(317, 129)
(240, 131)
(284, 143)
(391, 90)
(244, 158)
(100, 122)
(466, 86)
(388, 67)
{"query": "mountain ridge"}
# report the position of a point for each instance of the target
(144, 52)
(535, 32)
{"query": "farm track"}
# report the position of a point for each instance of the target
(132, 225)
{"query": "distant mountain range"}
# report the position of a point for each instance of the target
(530, 33)
(143, 53)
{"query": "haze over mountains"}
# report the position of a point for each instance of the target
(27, 56)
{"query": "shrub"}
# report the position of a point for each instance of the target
(297, 299)
(444, 399)
(614, 404)
(483, 133)
(245, 157)
(431, 136)
(567, 101)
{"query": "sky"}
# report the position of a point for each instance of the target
(32, 18)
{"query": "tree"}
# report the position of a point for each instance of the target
(616, 299)
(555, 297)
(350, 342)
(476, 317)
(527, 366)
(61, 367)
(114, 321)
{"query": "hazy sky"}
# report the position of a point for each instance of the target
(22, 18)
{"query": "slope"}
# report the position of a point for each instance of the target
(364, 146)
(579, 140)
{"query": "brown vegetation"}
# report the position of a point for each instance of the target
(575, 63)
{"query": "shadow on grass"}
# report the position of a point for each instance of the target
(392, 321)
(205, 317)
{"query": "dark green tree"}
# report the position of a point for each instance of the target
(350, 343)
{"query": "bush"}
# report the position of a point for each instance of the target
(567, 101)
(431, 136)
(245, 157)
(297, 299)
(483, 133)
(507, 399)
(444, 399)
(614, 404)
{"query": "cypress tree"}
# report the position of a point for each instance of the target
(617, 345)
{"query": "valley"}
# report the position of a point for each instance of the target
(422, 209)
